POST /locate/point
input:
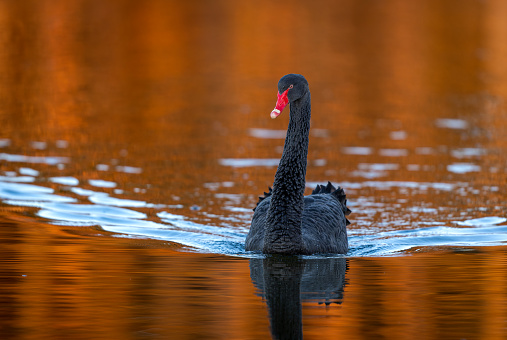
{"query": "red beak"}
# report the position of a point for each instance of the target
(281, 103)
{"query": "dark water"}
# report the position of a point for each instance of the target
(135, 138)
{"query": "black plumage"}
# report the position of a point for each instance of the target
(284, 220)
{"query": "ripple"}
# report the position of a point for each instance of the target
(61, 144)
(393, 242)
(249, 162)
(187, 225)
(467, 152)
(95, 210)
(463, 168)
(424, 151)
(33, 159)
(4, 142)
(111, 215)
(386, 185)
(378, 166)
(101, 183)
(169, 216)
(128, 169)
(109, 218)
(30, 193)
(267, 133)
(227, 233)
(18, 179)
(71, 181)
(448, 123)
(103, 198)
(216, 186)
(39, 145)
(423, 210)
(492, 220)
(237, 209)
(102, 167)
(398, 135)
(231, 198)
(83, 192)
(393, 152)
(28, 172)
(81, 218)
(357, 150)
(280, 134)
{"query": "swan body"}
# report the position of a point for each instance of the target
(284, 220)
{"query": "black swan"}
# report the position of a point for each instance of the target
(284, 220)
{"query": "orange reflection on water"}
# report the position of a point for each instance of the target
(59, 284)
(172, 87)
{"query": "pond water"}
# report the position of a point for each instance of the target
(135, 139)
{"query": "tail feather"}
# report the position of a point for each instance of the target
(261, 198)
(338, 193)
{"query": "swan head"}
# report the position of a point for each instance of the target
(291, 87)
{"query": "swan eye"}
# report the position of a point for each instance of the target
(291, 86)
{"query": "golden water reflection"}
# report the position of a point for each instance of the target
(171, 88)
(59, 285)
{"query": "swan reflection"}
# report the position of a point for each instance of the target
(284, 282)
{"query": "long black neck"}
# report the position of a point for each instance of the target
(283, 221)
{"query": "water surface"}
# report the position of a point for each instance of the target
(136, 138)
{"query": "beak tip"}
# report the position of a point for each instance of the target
(275, 113)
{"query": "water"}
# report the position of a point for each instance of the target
(132, 154)
(405, 227)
